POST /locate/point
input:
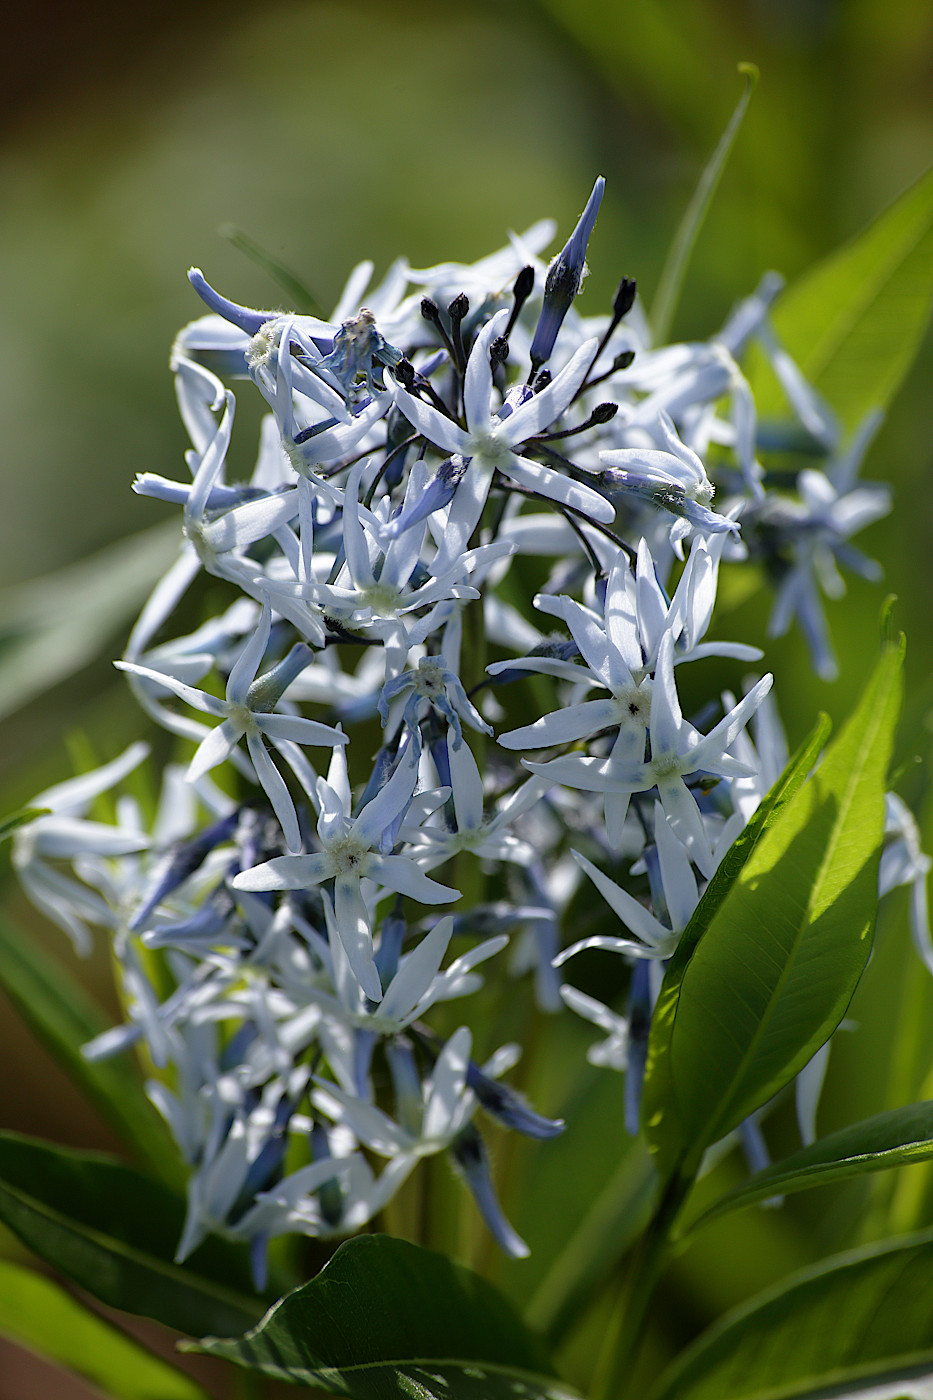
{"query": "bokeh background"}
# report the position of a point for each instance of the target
(333, 130)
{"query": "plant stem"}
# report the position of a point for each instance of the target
(624, 1334)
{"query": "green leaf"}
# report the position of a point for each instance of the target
(662, 1126)
(50, 627)
(113, 1231)
(301, 299)
(855, 322)
(17, 819)
(771, 977)
(386, 1319)
(64, 1017)
(776, 969)
(857, 1321)
(887, 1140)
(36, 1313)
(675, 267)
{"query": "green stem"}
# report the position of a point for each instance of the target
(675, 268)
(626, 1328)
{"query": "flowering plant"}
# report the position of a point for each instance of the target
(432, 759)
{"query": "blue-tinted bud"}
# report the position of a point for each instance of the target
(329, 1194)
(242, 316)
(390, 947)
(639, 1023)
(183, 860)
(259, 1260)
(406, 1081)
(557, 648)
(469, 1153)
(509, 1107)
(364, 1042)
(438, 493)
(266, 691)
(266, 1167)
(563, 280)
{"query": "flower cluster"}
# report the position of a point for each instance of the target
(432, 461)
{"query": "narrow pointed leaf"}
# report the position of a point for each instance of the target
(887, 1140)
(660, 1121)
(772, 976)
(678, 258)
(114, 1232)
(37, 1314)
(386, 1320)
(61, 1014)
(857, 1322)
(17, 819)
(50, 627)
(855, 322)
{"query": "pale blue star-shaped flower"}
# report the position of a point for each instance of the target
(248, 710)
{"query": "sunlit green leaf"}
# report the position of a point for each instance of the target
(771, 977)
(858, 1321)
(36, 1313)
(114, 1232)
(63, 1016)
(855, 322)
(888, 1140)
(661, 1122)
(385, 1319)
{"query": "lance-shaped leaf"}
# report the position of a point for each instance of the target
(386, 1319)
(114, 1232)
(771, 977)
(37, 1314)
(662, 1126)
(855, 322)
(64, 1017)
(889, 1139)
(855, 1325)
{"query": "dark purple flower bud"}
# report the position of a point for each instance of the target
(563, 280)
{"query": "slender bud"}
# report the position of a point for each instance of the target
(564, 278)
(624, 299)
(524, 286)
(405, 374)
(498, 351)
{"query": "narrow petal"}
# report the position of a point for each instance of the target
(399, 873)
(276, 789)
(209, 704)
(250, 659)
(433, 426)
(466, 785)
(286, 873)
(354, 932)
(545, 481)
(477, 384)
(213, 749)
(417, 971)
(634, 915)
(563, 726)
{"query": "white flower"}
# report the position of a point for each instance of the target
(247, 709)
(490, 438)
(353, 850)
(677, 751)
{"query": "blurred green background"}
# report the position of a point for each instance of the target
(330, 132)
